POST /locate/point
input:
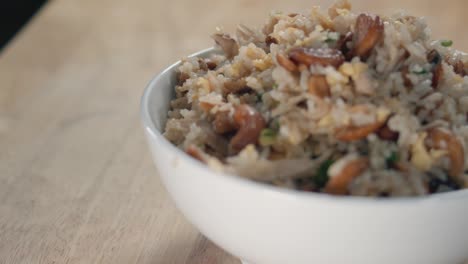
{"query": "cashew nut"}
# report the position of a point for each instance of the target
(369, 31)
(324, 57)
(286, 63)
(445, 140)
(318, 86)
(195, 152)
(339, 182)
(354, 133)
(250, 123)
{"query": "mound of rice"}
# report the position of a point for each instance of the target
(340, 103)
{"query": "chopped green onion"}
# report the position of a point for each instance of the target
(446, 43)
(421, 72)
(321, 178)
(259, 97)
(275, 125)
(267, 137)
(332, 37)
(275, 85)
(274, 104)
(392, 159)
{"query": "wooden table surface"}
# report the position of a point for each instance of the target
(77, 184)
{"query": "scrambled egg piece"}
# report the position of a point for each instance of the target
(382, 114)
(353, 70)
(326, 121)
(263, 64)
(204, 85)
(422, 158)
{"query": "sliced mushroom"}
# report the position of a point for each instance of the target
(459, 68)
(210, 64)
(369, 32)
(227, 44)
(437, 74)
(182, 78)
(386, 133)
(352, 168)
(202, 64)
(342, 43)
(443, 139)
(324, 57)
(269, 27)
(270, 40)
(250, 123)
(318, 86)
(435, 59)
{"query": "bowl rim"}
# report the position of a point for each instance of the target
(148, 125)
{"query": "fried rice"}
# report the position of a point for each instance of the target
(337, 102)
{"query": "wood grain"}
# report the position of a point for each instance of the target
(77, 184)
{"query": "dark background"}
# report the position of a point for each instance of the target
(14, 14)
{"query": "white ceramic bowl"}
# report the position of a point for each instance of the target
(267, 225)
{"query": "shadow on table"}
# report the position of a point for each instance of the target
(202, 251)
(206, 252)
